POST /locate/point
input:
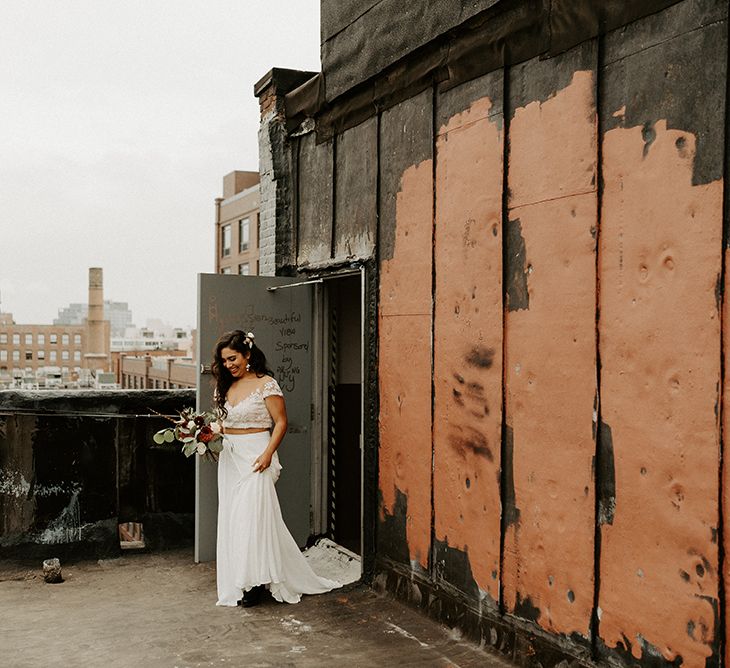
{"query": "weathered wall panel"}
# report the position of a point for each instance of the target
(468, 337)
(314, 243)
(404, 364)
(661, 231)
(362, 40)
(356, 191)
(550, 361)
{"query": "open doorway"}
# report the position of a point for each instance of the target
(338, 384)
(343, 368)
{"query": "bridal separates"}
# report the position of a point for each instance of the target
(254, 546)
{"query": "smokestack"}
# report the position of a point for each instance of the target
(97, 329)
(95, 319)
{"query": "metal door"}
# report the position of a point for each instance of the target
(281, 320)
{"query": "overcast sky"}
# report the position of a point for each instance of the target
(118, 121)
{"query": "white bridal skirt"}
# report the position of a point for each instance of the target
(254, 546)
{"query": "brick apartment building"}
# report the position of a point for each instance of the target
(29, 347)
(237, 224)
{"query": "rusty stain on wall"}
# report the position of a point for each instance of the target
(404, 365)
(467, 344)
(550, 361)
(660, 336)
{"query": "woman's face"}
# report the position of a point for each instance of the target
(234, 361)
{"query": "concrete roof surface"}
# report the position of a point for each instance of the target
(159, 610)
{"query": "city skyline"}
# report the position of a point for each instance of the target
(115, 160)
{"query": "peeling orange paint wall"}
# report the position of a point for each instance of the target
(660, 334)
(660, 338)
(589, 309)
(404, 364)
(725, 480)
(550, 340)
(468, 341)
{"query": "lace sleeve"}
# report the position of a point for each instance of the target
(271, 389)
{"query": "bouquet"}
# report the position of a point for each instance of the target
(198, 432)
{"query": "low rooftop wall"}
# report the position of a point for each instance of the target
(73, 465)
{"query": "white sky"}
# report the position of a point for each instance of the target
(118, 121)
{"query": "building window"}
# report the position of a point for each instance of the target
(3, 355)
(244, 234)
(28, 339)
(41, 354)
(3, 338)
(225, 270)
(16, 339)
(29, 355)
(77, 339)
(41, 339)
(64, 354)
(225, 240)
(54, 338)
(77, 355)
(16, 356)
(244, 269)
(64, 339)
(53, 354)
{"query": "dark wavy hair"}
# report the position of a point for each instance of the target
(235, 340)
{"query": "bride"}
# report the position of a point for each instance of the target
(254, 549)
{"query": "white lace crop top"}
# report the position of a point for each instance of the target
(251, 412)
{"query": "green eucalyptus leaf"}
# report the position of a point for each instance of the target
(169, 436)
(189, 449)
(215, 446)
(159, 437)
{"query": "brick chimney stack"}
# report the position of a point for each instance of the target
(97, 329)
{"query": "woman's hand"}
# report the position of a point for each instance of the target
(262, 462)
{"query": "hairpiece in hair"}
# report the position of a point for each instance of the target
(248, 340)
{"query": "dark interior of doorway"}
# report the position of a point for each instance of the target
(344, 407)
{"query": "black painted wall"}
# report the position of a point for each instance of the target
(75, 464)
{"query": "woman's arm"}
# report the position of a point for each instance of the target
(277, 408)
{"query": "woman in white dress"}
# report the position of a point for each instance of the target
(254, 548)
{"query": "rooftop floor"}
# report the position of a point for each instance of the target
(159, 610)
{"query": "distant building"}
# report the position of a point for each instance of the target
(154, 357)
(145, 339)
(237, 224)
(157, 372)
(31, 354)
(117, 313)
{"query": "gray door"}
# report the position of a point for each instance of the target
(281, 320)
